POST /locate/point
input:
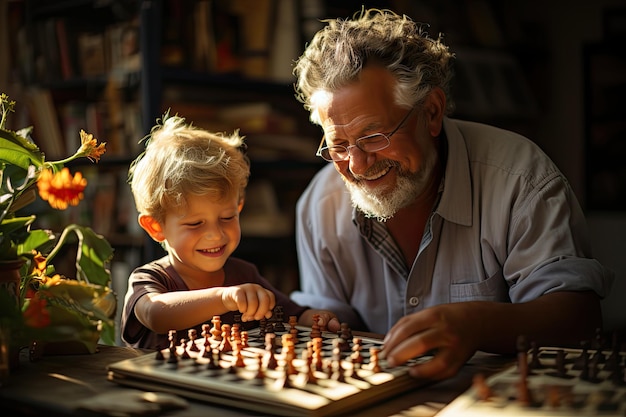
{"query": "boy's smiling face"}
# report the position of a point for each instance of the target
(202, 235)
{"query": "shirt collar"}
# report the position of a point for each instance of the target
(456, 200)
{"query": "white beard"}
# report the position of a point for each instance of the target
(381, 203)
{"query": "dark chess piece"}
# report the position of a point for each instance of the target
(315, 327)
(613, 361)
(560, 370)
(193, 335)
(345, 332)
(522, 356)
(183, 346)
(598, 346)
(583, 359)
(277, 318)
(172, 338)
(535, 362)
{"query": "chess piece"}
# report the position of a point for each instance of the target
(172, 338)
(315, 328)
(535, 362)
(356, 357)
(337, 370)
(213, 363)
(345, 332)
(225, 345)
(522, 356)
(216, 331)
(259, 377)
(374, 364)
(277, 318)
(293, 322)
(193, 335)
(583, 359)
(244, 339)
(270, 347)
(183, 347)
(482, 389)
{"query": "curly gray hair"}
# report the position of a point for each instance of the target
(339, 51)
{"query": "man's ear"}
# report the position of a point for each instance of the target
(152, 227)
(435, 108)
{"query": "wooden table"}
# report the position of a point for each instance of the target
(57, 385)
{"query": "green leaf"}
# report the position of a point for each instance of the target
(17, 150)
(35, 241)
(93, 255)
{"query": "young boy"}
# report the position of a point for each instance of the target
(189, 188)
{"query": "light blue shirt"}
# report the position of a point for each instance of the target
(507, 228)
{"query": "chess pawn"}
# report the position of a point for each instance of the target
(482, 389)
(183, 346)
(216, 331)
(345, 332)
(279, 326)
(374, 364)
(315, 328)
(193, 335)
(225, 345)
(270, 347)
(356, 357)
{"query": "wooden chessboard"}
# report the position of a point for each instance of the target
(558, 382)
(295, 387)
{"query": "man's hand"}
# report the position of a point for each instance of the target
(454, 332)
(448, 331)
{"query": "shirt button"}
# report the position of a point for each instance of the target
(414, 301)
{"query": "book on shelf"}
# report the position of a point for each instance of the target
(47, 132)
(256, 29)
(66, 53)
(91, 54)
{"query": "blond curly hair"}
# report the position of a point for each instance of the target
(180, 160)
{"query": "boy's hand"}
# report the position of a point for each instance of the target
(251, 300)
(327, 319)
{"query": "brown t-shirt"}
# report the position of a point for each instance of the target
(160, 277)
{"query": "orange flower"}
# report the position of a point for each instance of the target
(36, 314)
(39, 264)
(61, 189)
(51, 281)
(89, 146)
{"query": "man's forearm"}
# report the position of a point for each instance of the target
(561, 318)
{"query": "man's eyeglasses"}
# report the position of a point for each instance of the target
(370, 143)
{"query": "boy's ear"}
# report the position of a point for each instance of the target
(152, 227)
(240, 207)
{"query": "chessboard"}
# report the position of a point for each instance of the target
(549, 382)
(280, 369)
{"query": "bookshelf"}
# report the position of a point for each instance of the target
(113, 67)
(118, 65)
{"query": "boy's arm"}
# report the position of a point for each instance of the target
(183, 309)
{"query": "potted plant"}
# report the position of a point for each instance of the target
(37, 304)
